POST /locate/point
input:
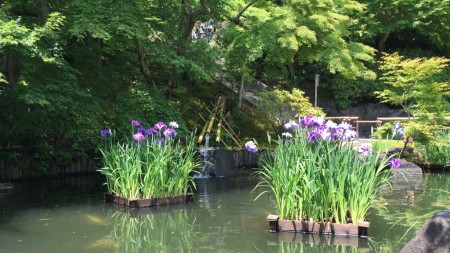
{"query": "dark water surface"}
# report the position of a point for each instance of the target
(70, 216)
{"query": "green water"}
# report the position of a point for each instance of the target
(70, 216)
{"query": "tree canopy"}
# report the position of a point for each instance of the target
(70, 68)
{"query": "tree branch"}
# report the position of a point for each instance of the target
(237, 18)
(142, 64)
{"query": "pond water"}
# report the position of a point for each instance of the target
(70, 216)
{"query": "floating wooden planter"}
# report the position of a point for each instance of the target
(138, 203)
(328, 228)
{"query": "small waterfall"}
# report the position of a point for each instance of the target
(207, 164)
(207, 140)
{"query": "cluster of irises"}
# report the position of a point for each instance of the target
(153, 165)
(315, 174)
(159, 129)
(318, 129)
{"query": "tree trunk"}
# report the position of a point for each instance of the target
(241, 92)
(45, 11)
(171, 85)
(142, 64)
(291, 71)
(12, 70)
(382, 42)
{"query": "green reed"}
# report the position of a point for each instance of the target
(154, 167)
(322, 180)
(166, 168)
(122, 168)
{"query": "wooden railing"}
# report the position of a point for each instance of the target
(378, 122)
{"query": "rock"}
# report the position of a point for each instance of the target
(6, 186)
(434, 236)
(408, 177)
(224, 165)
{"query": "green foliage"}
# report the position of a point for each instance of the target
(427, 18)
(412, 85)
(436, 152)
(145, 105)
(279, 106)
(350, 91)
(384, 146)
(297, 32)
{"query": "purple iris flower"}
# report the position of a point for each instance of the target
(138, 137)
(318, 121)
(349, 134)
(142, 130)
(161, 141)
(169, 132)
(291, 125)
(251, 146)
(314, 135)
(106, 132)
(395, 163)
(150, 131)
(397, 129)
(364, 149)
(325, 134)
(345, 126)
(160, 125)
(307, 121)
(135, 123)
(331, 124)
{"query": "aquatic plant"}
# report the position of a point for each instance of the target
(317, 175)
(155, 164)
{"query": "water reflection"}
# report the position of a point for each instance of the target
(295, 247)
(164, 230)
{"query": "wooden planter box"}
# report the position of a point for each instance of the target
(138, 203)
(327, 228)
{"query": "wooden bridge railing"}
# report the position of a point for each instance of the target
(378, 122)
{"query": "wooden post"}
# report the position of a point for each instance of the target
(316, 85)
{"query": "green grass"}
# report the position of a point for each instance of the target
(385, 145)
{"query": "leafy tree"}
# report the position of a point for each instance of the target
(413, 85)
(382, 18)
(278, 38)
(280, 106)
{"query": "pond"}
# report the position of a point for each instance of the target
(70, 216)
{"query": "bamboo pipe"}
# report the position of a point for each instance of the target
(219, 126)
(207, 128)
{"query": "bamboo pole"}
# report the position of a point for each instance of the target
(231, 130)
(204, 120)
(214, 115)
(202, 133)
(219, 126)
(232, 137)
(208, 126)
